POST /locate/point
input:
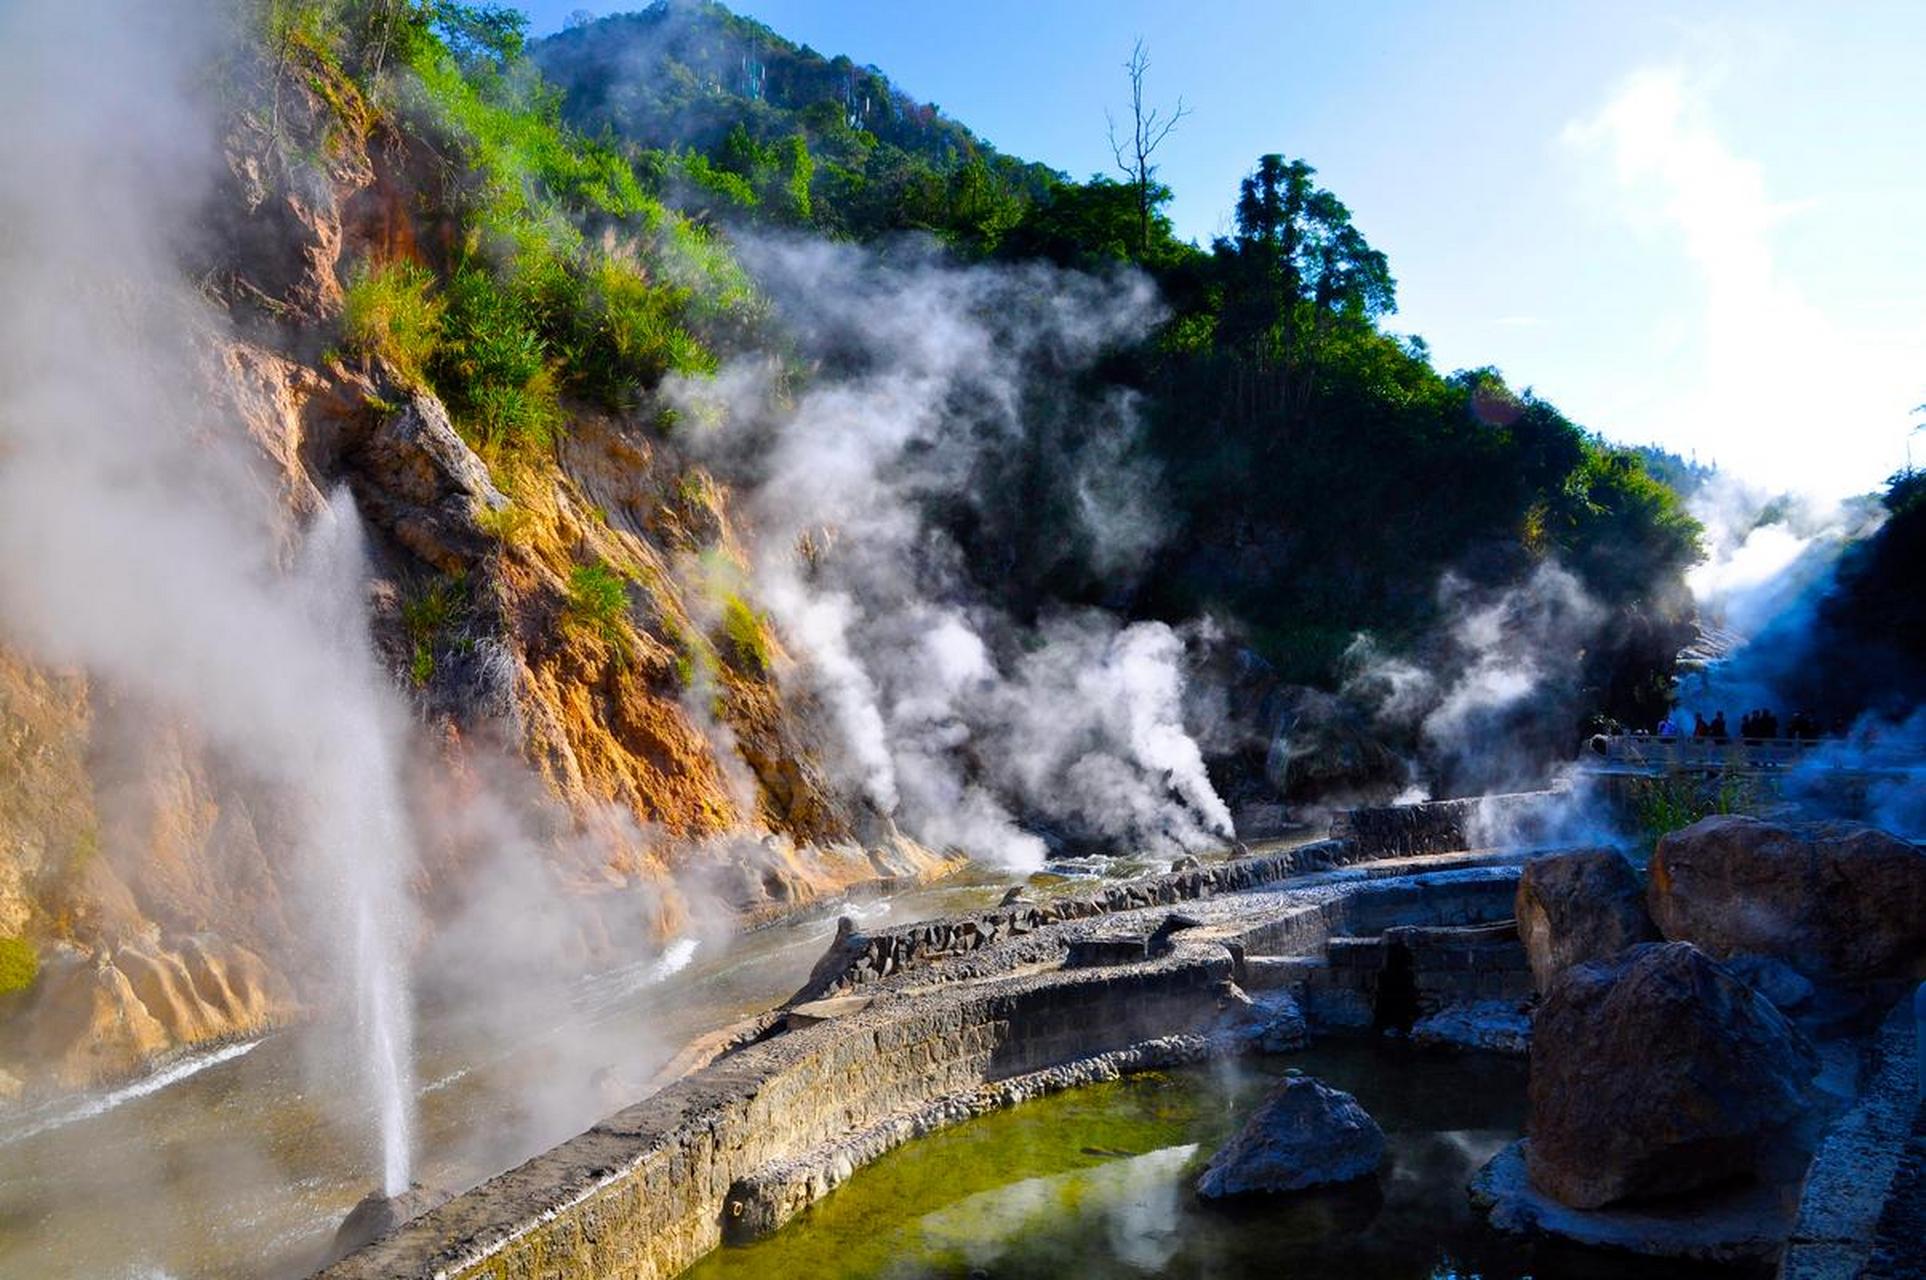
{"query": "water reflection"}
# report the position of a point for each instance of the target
(1131, 1203)
(1097, 1183)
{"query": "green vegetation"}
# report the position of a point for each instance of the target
(19, 965)
(426, 617)
(748, 634)
(566, 278)
(598, 600)
(1318, 474)
(1667, 804)
(730, 117)
(389, 314)
(1287, 423)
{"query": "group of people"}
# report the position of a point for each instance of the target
(1760, 725)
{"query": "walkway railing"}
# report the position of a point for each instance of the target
(1650, 753)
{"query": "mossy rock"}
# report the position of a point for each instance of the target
(19, 965)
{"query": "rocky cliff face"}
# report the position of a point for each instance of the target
(146, 876)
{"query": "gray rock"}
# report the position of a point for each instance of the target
(419, 479)
(1270, 1021)
(1307, 1135)
(1747, 1223)
(1492, 1026)
(1780, 983)
(376, 1215)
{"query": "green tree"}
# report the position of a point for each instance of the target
(1296, 269)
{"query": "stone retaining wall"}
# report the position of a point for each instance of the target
(1859, 1184)
(759, 1134)
(1442, 826)
(858, 959)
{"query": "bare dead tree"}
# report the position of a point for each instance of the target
(1148, 129)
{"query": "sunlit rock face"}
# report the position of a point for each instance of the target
(95, 1018)
(1837, 901)
(1655, 1073)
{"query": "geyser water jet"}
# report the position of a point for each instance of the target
(142, 538)
(360, 834)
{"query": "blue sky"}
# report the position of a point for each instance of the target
(1698, 225)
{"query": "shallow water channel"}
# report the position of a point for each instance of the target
(1095, 1183)
(237, 1163)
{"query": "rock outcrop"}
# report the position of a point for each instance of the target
(151, 875)
(1657, 1072)
(95, 1017)
(1838, 901)
(1307, 1135)
(1574, 907)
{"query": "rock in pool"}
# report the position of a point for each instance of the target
(1658, 1072)
(377, 1215)
(1306, 1135)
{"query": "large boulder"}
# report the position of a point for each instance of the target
(1835, 900)
(1576, 907)
(1306, 1135)
(1657, 1072)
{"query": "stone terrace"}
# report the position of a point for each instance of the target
(946, 1020)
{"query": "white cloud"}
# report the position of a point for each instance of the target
(1776, 389)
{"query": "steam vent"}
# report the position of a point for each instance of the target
(629, 652)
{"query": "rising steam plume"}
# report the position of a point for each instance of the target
(139, 538)
(932, 386)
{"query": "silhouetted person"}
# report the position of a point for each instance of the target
(1719, 732)
(1700, 729)
(1747, 723)
(1768, 726)
(1668, 726)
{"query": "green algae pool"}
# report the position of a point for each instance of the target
(1096, 1182)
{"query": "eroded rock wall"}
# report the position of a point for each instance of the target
(643, 757)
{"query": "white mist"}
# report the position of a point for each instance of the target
(142, 539)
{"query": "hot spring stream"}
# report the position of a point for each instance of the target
(235, 1165)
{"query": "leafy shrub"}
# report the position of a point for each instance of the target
(391, 315)
(19, 965)
(492, 365)
(1664, 805)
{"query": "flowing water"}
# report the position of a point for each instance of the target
(236, 1164)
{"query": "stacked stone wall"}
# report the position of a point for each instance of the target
(1445, 826)
(862, 958)
(741, 1145)
(761, 1133)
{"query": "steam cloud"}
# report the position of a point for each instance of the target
(934, 386)
(1488, 706)
(138, 534)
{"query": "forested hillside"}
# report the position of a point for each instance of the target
(1318, 477)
